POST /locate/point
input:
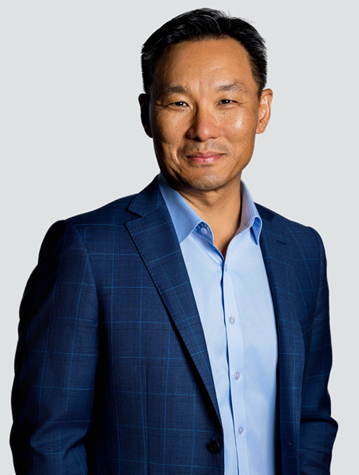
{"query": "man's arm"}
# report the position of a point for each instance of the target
(56, 359)
(317, 428)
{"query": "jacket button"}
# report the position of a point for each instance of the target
(214, 447)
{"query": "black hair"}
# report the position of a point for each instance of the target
(203, 24)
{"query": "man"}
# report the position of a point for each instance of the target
(184, 329)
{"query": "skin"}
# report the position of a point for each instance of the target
(203, 113)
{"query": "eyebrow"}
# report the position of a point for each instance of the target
(171, 90)
(234, 86)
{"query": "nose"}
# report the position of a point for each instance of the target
(204, 126)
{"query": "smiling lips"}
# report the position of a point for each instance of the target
(204, 158)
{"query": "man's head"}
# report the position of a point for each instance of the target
(205, 24)
(204, 100)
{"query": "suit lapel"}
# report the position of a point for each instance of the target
(279, 265)
(156, 241)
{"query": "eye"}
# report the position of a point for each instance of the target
(227, 101)
(179, 104)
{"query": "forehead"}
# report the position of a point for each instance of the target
(203, 62)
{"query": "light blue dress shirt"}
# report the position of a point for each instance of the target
(236, 310)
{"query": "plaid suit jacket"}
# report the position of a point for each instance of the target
(112, 371)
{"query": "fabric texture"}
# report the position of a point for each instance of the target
(112, 374)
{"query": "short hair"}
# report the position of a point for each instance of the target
(205, 24)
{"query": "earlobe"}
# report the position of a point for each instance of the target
(264, 114)
(144, 100)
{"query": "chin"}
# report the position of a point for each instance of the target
(203, 183)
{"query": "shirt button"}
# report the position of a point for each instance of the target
(232, 320)
(240, 430)
(204, 231)
(225, 267)
(237, 375)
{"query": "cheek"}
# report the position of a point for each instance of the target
(242, 129)
(167, 132)
(237, 126)
(245, 121)
(166, 144)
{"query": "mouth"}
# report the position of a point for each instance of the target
(204, 157)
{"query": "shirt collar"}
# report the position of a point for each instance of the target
(185, 219)
(250, 217)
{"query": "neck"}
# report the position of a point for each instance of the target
(221, 209)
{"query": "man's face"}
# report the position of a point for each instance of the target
(203, 113)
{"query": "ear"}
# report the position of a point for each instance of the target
(144, 101)
(265, 103)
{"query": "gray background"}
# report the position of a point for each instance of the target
(71, 140)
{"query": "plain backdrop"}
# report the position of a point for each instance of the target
(71, 141)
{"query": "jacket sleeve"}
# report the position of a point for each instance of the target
(56, 359)
(317, 428)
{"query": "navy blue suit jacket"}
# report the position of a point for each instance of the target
(112, 371)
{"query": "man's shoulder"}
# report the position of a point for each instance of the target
(279, 226)
(112, 219)
(115, 212)
(90, 227)
(121, 210)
